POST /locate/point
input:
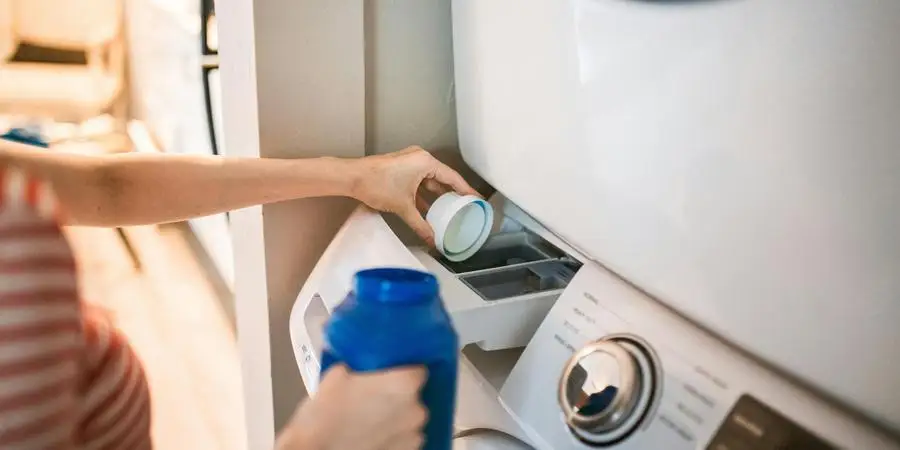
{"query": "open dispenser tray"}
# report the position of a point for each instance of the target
(498, 297)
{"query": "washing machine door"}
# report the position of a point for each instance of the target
(489, 440)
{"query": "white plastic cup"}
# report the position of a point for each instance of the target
(461, 224)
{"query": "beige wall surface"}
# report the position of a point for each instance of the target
(304, 78)
(311, 95)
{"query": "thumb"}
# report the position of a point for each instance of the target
(444, 174)
(418, 224)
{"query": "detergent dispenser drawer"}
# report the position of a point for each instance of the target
(542, 276)
(504, 250)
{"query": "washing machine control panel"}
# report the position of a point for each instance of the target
(612, 368)
(752, 424)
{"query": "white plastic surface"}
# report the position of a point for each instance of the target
(461, 224)
(702, 379)
(488, 442)
(366, 241)
(464, 228)
(736, 159)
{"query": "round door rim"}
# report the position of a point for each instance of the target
(622, 404)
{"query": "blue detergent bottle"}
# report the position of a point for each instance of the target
(395, 318)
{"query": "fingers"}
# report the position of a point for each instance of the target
(411, 423)
(414, 416)
(406, 442)
(336, 371)
(388, 412)
(440, 172)
(422, 205)
(428, 192)
(452, 178)
(434, 186)
(405, 382)
(414, 219)
(413, 375)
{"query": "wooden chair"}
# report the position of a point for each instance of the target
(65, 92)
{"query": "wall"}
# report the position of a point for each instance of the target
(304, 78)
(327, 84)
(310, 87)
(409, 75)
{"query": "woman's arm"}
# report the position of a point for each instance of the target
(132, 189)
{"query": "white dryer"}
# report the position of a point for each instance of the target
(698, 245)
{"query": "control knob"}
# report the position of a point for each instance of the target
(607, 388)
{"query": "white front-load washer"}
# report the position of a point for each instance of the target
(573, 357)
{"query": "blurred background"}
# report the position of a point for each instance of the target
(108, 76)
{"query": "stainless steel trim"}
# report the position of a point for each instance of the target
(624, 401)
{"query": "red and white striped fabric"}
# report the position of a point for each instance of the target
(68, 379)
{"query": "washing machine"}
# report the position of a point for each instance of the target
(695, 245)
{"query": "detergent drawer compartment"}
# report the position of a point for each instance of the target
(504, 250)
(514, 264)
(524, 279)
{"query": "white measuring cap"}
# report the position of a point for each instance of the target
(461, 224)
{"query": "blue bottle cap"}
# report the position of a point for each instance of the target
(395, 286)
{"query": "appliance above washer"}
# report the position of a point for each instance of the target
(735, 159)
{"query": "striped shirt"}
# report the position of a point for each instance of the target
(68, 379)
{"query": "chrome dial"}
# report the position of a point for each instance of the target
(606, 388)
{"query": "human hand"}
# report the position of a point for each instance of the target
(362, 411)
(391, 183)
